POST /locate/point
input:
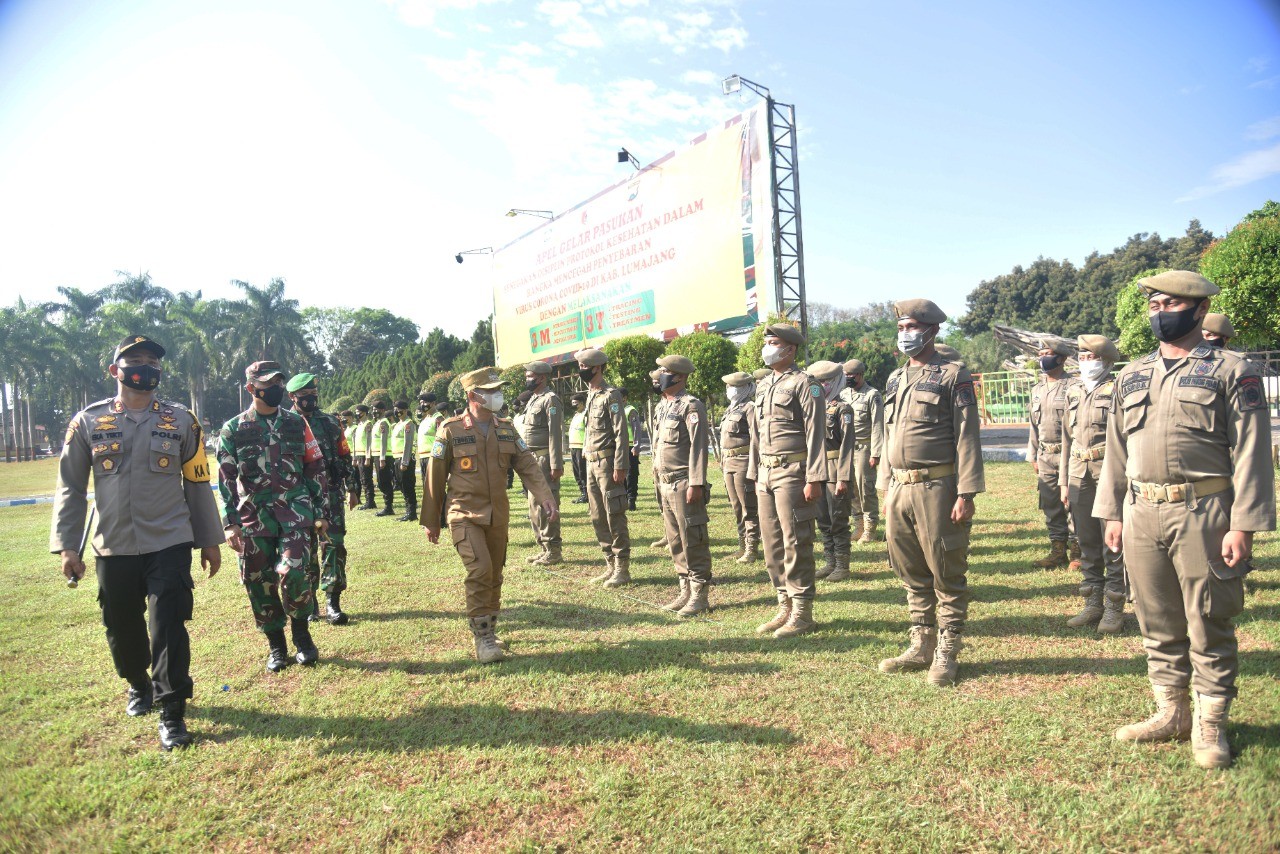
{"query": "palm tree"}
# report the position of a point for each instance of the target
(270, 325)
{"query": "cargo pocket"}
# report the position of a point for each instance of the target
(804, 516)
(926, 407)
(462, 544)
(617, 499)
(1223, 596)
(955, 553)
(695, 526)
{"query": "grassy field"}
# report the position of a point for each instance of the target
(617, 726)
(26, 480)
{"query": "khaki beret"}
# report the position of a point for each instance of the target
(1220, 324)
(946, 351)
(854, 366)
(1100, 346)
(736, 379)
(481, 378)
(824, 371)
(761, 374)
(1179, 283)
(590, 357)
(675, 364)
(1059, 346)
(923, 310)
(539, 368)
(785, 331)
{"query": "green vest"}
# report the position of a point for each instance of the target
(578, 430)
(427, 433)
(397, 438)
(629, 411)
(375, 438)
(358, 446)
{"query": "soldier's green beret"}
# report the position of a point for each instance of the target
(1179, 283)
(923, 310)
(824, 371)
(590, 357)
(1100, 346)
(1219, 324)
(301, 381)
(675, 364)
(761, 374)
(855, 366)
(486, 378)
(787, 332)
(539, 368)
(736, 379)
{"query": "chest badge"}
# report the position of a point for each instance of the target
(466, 463)
(164, 462)
(108, 464)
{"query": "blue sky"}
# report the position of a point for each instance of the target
(352, 148)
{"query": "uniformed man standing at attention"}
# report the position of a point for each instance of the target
(834, 505)
(384, 461)
(151, 486)
(404, 447)
(634, 422)
(1186, 481)
(735, 457)
(680, 445)
(933, 456)
(1084, 441)
(1044, 445)
(789, 467)
(608, 460)
(327, 569)
(868, 434)
(271, 475)
(470, 458)
(544, 434)
(363, 450)
(1217, 329)
(429, 418)
(577, 440)
(655, 388)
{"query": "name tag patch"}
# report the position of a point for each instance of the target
(1137, 381)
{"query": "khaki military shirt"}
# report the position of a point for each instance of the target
(789, 421)
(607, 428)
(735, 437)
(931, 419)
(1048, 412)
(1086, 429)
(472, 464)
(680, 440)
(1204, 417)
(544, 426)
(150, 481)
(868, 416)
(839, 440)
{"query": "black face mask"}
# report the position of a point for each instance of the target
(666, 381)
(140, 377)
(1173, 325)
(850, 381)
(272, 395)
(530, 385)
(1048, 363)
(308, 402)
(586, 374)
(1215, 343)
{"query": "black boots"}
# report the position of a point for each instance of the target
(278, 659)
(336, 617)
(307, 652)
(387, 508)
(410, 514)
(140, 697)
(173, 726)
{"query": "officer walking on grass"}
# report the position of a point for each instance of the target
(151, 486)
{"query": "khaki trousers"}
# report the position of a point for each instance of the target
(929, 552)
(686, 527)
(1100, 566)
(1049, 489)
(483, 550)
(786, 528)
(864, 501)
(742, 498)
(607, 502)
(545, 531)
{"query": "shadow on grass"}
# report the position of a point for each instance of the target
(478, 725)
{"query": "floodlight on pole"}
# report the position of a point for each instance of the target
(527, 212)
(625, 156)
(484, 250)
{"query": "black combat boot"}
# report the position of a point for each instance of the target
(307, 652)
(141, 697)
(410, 514)
(278, 659)
(173, 725)
(336, 616)
(388, 508)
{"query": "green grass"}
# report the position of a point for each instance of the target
(617, 726)
(26, 480)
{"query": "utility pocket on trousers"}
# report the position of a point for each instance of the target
(617, 499)
(804, 516)
(695, 526)
(462, 544)
(955, 553)
(1223, 596)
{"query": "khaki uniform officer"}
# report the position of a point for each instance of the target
(834, 506)
(933, 453)
(789, 467)
(470, 457)
(1084, 440)
(1044, 445)
(680, 469)
(868, 435)
(1185, 483)
(1217, 330)
(735, 456)
(608, 459)
(544, 433)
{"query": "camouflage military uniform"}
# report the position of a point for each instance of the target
(327, 569)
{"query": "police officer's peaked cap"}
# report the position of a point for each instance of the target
(738, 378)
(824, 371)
(427, 397)
(301, 381)
(362, 408)
(675, 364)
(948, 352)
(590, 357)
(923, 310)
(486, 378)
(542, 369)
(134, 342)
(1179, 283)
(1059, 346)
(1100, 346)
(855, 366)
(578, 397)
(1220, 324)
(787, 332)
(262, 372)
(761, 374)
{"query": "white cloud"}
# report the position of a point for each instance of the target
(701, 78)
(729, 38)
(422, 13)
(1265, 83)
(566, 15)
(1245, 169)
(1263, 130)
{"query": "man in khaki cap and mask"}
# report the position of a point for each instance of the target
(470, 456)
(544, 433)
(789, 466)
(735, 456)
(1044, 445)
(1186, 481)
(608, 460)
(834, 506)
(1218, 330)
(1084, 439)
(933, 468)
(868, 433)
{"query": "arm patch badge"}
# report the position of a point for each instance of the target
(964, 395)
(1249, 394)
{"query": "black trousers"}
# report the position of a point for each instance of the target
(366, 479)
(388, 475)
(579, 468)
(160, 585)
(408, 486)
(633, 477)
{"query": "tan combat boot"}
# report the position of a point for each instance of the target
(742, 549)
(780, 618)
(1092, 610)
(487, 649)
(751, 553)
(1057, 556)
(623, 574)
(697, 603)
(1209, 732)
(1171, 722)
(1073, 552)
(681, 598)
(945, 659)
(553, 556)
(502, 645)
(841, 572)
(869, 534)
(537, 558)
(800, 622)
(659, 544)
(918, 654)
(1112, 622)
(828, 564)
(609, 570)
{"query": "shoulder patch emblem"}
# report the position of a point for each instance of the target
(848, 418)
(1205, 367)
(551, 410)
(693, 419)
(1249, 393)
(816, 391)
(964, 394)
(437, 449)
(613, 407)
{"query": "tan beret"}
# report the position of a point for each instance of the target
(1058, 345)
(854, 366)
(785, 331)
(539, 368)
(923, 310)
(1100, 346)
(1220, 324)
(1179, 283)
(761, 374)
(481, 378)
(824, 371)
(591, 357)
(675, 364)
(736, 379)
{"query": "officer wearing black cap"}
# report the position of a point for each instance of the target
(151, 485)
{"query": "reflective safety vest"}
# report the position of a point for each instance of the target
(397, 438)
(349, 433)
(427, 433)
(630, 412)
(380, 427)
(578, 430)
(358, 445)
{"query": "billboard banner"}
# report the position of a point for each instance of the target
(684, 244)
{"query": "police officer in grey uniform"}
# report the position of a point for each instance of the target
(1186, 481)
(544, 434)
(608, 460)
(868, 434)
(1044, 445)
(151, 486)
(735, 456)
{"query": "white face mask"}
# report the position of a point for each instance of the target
(1093, 370)
(773, 353)
(911, 342)
(833, 388)
(492, 400)
(739, 393)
